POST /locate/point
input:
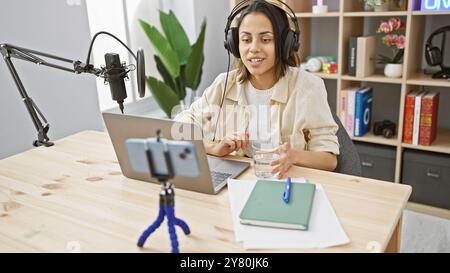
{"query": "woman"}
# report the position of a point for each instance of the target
(298, 115)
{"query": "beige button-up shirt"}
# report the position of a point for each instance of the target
(299, 111)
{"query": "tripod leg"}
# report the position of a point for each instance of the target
(172, 232)
(183, 225)
(153, 227)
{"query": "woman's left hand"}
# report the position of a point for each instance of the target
(286, 160)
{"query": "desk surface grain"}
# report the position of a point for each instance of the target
(72, 196)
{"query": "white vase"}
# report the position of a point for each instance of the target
(393, 70)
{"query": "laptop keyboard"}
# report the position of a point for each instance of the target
(218, 177)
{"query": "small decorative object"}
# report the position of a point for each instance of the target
(315, 63)
(399, 5)
(376, 5)
(329, 68)
(385, 128)
(395, 41)
(435, 5)
(320, 7)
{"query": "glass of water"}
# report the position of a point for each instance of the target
(264, 152)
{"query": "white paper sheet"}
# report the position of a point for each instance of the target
(324, 227)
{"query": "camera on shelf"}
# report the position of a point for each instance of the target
(384, 128)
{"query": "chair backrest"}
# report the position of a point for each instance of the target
(348, 158)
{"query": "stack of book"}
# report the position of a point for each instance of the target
(356, 110)
(420, 117)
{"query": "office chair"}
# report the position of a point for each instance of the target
(348, 158)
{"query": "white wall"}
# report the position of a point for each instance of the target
(68, 101)
(216, 58)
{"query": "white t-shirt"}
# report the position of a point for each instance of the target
(259, 104)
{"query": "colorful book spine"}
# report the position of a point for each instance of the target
(428, 118)
(417, 109)
(343, 106)
(350, 124)
(363, 108)
(408, 117)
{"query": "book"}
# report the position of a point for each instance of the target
(416, 126)
(350, 124)
(408, 117)
(428, 118)
(365, 56)
(363, 111)
(343, 106)
(265, 205)
(352, 47)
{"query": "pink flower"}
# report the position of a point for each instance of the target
(395, 23)
(401, 42)
(390, 40)
(385, 27)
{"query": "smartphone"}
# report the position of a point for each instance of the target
(181, 153)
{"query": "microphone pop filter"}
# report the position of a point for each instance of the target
(141, 72)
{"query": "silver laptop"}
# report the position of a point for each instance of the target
(214, 171)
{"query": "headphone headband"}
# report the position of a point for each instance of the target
(244, 4)
(436, 32)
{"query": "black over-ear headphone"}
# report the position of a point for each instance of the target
(290, 39)
(433, 54)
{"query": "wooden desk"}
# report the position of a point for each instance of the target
(73, 195)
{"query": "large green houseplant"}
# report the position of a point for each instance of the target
(178, 62)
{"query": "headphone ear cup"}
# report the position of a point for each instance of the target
(232, 42)
(288, 47)
(435, 56)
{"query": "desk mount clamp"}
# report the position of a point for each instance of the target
(166, 202)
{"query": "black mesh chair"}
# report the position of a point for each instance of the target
(348, 158)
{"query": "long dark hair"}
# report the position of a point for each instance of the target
(280, 23)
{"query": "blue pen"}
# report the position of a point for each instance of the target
(287, 191)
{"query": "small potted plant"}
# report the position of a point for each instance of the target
(394, 39)
(376, 5)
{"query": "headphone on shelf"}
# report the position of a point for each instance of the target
(290, 39)
(433, 54)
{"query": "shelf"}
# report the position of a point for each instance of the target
(375, 14)
(318, 15)
(371, 138)
(421, 13)
(422, 79)
(374, 78)
(440, 145)
(326, 76)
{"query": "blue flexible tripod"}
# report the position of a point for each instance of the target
(166, 203)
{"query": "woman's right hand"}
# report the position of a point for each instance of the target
(229, 144)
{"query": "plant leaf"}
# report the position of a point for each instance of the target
(162, 48)
(163, 94)
(181, 86)
(176, 35)
(398, 56)
(166, 75)
(193, 71)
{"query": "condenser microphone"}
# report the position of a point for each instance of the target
(115, 73)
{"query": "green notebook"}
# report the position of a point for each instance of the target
(265, 206)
